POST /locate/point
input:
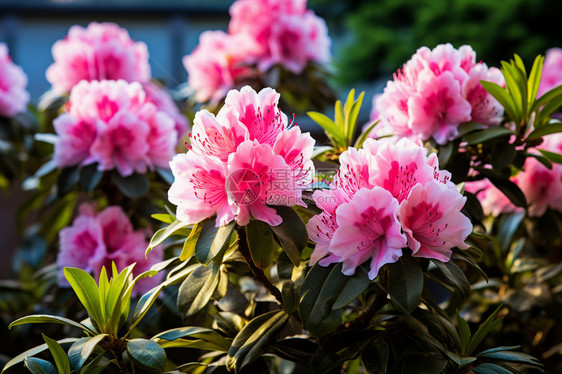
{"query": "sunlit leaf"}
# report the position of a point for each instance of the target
(148, 353)
(61, 359)
(81, 350)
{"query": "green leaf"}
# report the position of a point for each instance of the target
(545, 130)
(212, 240)
(482, 136)
(534, 79)
(82, 349)
(144, 304)
(118, 298)
(93, 366)
(513, 85)
(191, 242)
(44, 318)
(374, 356)
(405, 283)
(163, 217)
(509, 356)
(423, 364)
(209, 336)
(197, 289)
(134, 186)
(253, 340)
(33, 351)
(162, 234)
(365, 135)
(464, 333)
(148, 353)
(68, 178)
(507, 187)
(499, 93)
(508, 225)
(489, 368)
(261, 243)
(291, 233)
(454, 277)
(334, 133)
(483, 330)
(552, 156)
(39, 366)
(90, 177)
(467, 127)
(353, 288)
(61, 359)
(86, 290)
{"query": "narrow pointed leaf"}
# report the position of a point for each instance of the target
(261, 243)
(483, 330)
(291, 233)
(489, 368)
(189, 245)
(487, 134)
(61, 359)
(44, 318)
(165, 233)
(82, 349)
(39, 366)
(534, 79)
(545, 130)
(499, 93)
(86, 290)
(33, 351)
(405, 283)
(197, 289)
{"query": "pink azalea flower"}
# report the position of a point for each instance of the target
(438, 107)
(13, 81)
(542, 187)
(434, 92)
(164, 103)
(551, 71)
(97, 239)
(100, 51)
(112, 123)
(432, 220)
(216, 65)
(368, 228)
(357, 170)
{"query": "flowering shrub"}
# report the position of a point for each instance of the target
(261, 34)
(96, 239)
(13, 82)
(98, 52)
(112, 123)
(434, 92)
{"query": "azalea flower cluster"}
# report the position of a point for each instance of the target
(434, 92)
(96, 239)
(551, 71)
(114, 124)
(13, 81)
(542, 186)
(385, 197)
(97, 52)
(261, 33)
(241, 162)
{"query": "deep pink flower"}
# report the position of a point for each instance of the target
(100, 51)
(97, 239)
(13, 81)
(432, 220)
(216, 65)
(434, 92)
(112, 123)
(542, 186)
(551, 71)
(164, 103)
(368, 228)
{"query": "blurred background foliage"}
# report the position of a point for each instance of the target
(379, 36)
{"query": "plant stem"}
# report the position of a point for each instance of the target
(256, 272)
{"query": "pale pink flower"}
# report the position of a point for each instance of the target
(552, 71)
(542, 186)
(13, 81)
(432, 221)
(216, 65)
(493, 201)
(368, 228)
(357, 170)
(100, 51)
(112, 123)
(97, 239)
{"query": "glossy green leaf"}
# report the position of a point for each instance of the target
(94, 366)
(197, 289)
(134, 186)
(508, 225)
(119, 298)
(44, 318)
(144, 304)
(148, 353)
(291, 233)
(405, 283)
(464, 332)
(261, 243)
(482, 136)
(212, 240)
(365, 135)
(499, 93)
(162, 234)
(547, 97)
(86, 290)
(196, 333)
(163, 217)
(552, 128)
(454, 277)
(33, 351)
(552, 156)
(253, 340)
(483, 331)
(81, 350)
(489, 368)
(468, 127)
(68, 178)
(354, 286)
(534, 79)
(61, 359)
(334, 133)
(90, 177)
(39, 366)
